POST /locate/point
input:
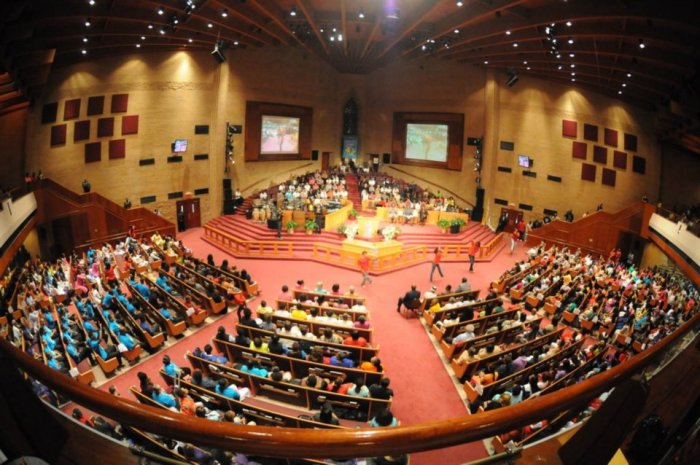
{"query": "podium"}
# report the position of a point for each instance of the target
(367, 227)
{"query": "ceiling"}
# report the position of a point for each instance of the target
(599, 40)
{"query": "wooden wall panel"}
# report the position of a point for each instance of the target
(120, 103)
(49, 113)
(81, 130)
(569, 128)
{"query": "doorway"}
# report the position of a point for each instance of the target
(325, 160)
(188, 214)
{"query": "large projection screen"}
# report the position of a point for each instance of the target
(427, 142)
(279, 134)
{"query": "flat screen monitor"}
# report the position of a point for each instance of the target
(180, 145)
(523, 161)
(279, 134)
(426, 142)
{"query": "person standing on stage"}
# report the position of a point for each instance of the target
(435, 265)
(473, 250)
(364, 263)
(514, 239)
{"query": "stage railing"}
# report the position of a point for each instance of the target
(343, 443)
(268, 249)
(336, 255)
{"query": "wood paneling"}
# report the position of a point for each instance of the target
(81, 130)
(49, 113)
(58, 135)
(71, 109)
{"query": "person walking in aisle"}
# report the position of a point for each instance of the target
(435, 265)
(473, 251)
(513, 240)
(364, 263)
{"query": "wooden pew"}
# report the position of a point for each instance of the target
(499, 337)
(84, 371)
(214, 307)
(322, 309)
(432, 317)
(173, 329)
(356, 353)
(317, 327)
(154, 341)
(298, 368)
(177, 305)
(130, 355)
(251, 289)
(480, 324)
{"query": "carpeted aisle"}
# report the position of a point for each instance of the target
(423, 389)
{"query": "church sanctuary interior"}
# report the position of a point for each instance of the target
(349, 232)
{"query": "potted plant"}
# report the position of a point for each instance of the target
(291, 225)
(310, 226)
(342, 229)
(456, 225)
(352, 214)
(444, 225)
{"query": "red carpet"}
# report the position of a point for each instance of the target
(423, 388)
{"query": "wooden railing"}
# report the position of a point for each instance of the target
(492, 246)
(239, 248)
(336, 255)
(298, 443)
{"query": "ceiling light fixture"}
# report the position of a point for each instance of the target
(571, 55)
(143, 37)
(161, 11)
(571, 41)
(528, 68)
(525, 62)
(641, 43)
(162, 31)
(573, 74)
(515, 44)
(560, 67)
(573, 79)
(558, 55)
(629, 75)
(150, 26)
(85, 39)
(224, 13)
(619, 92)
(88, 23)
(573, 65)
(235, 42)
(138, 45)
(486, 62)
(83, 51)
(624, 84)
(190, 40)
(210, 25)
(460, 3)
(456, 31)
(293, 11)
(568, 23)
(340, 37)
(508, 33)
(92, 2)
(361, 14)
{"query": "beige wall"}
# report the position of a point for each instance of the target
(171, 92)
(12, 130)
(530, 114)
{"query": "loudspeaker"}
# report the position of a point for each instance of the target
(227, 183)
(478, 212)
(386, 158)
(228, 194)
(229, 207)
(314, 155)
(218, 55)
(201, 129)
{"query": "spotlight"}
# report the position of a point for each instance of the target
(571, 40)
(189, 40)
(629, 75)
(528, 68)
(559, 67)
(224, 13)
(91, 2)
(85, 39)
(161, 11)
(150, 26)
(568, 23)
(456, 31)
(293, 11)
(361, 14)
(573, 65)
(571, 55)
(83, 51)
(162, 31)
(508, 33)
(573, 79)
(486, 62)
(641, 43)
(515, 44)
(143, 37)
(558, 55)
(235, 42)
(218, 52)
(573, 74)
(88, 23)
(332, 38)
(334, 29)
(175, 20)
(460, 3)
(210, 25)
(138, 45)
(340, 37)
(525, 62)
(619, 92)
(624, 84)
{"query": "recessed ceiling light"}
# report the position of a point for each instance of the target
(528, 68)
(189, 40)
(508, 33)
(460, 3)
(515, 44)
(525, 62)
(210, 25)
(138, 45)
(573, 65)
(456, 31)
(624, 84)
(559, 67)
(629, 74)
(161, 30)
(340, 37)
(150, 26)
(224, 13)
(143, 37)
(361, 14)
(83, 51)
(334, 29)
(571, 55)
(571, 41)
(293, 11)
(161, 11)
(641, 43)
(332, 38)
(573, 79)
(573, 74)
(85, 39)
(558, 55)
(92, 2)
(568, 23)
(88, 23)
(486, 62)
(619, 92)
(552, 25)
(423, 47)
(235, 42)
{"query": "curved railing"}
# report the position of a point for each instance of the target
(298, 443)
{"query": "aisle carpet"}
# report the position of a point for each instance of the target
(423, 389)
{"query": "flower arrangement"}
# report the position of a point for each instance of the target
(390, 232)
(351, 230)
(352, 214)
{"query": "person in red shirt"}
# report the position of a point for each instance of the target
(364, 263)
(435, 265)
(473, 250)
(355, 340)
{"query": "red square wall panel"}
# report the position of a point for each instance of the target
(93, 152)
(71, 109)
(81, 130)
(58, 135)
(96, 105)
(600, 154)
(105, 127)
(130, 124)
(578, 150)
(569, 128)
(590, 132)
(620, 159)
(120, 103)
(588, 172)
(609, 177)
(117, 149)
(610, 137)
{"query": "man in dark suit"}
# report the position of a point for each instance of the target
(411, 299)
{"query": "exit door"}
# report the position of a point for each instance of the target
(188, 214)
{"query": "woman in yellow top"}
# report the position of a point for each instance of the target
(259, 345)
(298, 313)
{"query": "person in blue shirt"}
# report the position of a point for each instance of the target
(107, 300)
(162, 281)
(258, 370)
(113, 325)
(226, 391)
(384, 419)
(164, 398)
(341, 359)
(127, 340)
(141, 288)
(170, 368)
(212, 357)
(89, 327)
(169, 316)
(48, 341)
(53, 363)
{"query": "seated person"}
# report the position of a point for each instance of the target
(411, 299)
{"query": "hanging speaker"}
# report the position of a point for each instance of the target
(227, 183)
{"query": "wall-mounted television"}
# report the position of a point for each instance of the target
(524, 161)
(179, 146)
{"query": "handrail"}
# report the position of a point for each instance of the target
(299, 443)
